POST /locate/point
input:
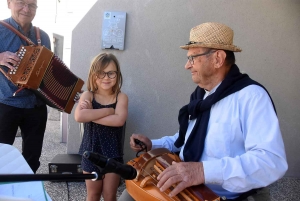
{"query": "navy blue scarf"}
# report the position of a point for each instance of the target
(200, 109)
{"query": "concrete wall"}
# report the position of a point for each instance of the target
(153, 64)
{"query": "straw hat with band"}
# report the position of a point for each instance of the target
(212, 35)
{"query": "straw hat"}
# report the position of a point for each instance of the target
(212, 35)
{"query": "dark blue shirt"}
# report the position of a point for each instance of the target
(11, 42)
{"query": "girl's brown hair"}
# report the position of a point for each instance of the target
(98, 64)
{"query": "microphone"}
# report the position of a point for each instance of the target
(110, 165)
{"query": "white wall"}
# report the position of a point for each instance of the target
(68, 15)
(4, 11)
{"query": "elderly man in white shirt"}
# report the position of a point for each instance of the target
(229, 137)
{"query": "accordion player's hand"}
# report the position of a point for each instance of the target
(77, 97)
(9, 59)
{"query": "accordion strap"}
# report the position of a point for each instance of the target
(17, 32)
(38, 36)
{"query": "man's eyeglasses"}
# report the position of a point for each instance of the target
(191, 58)
(110, 74)
(22, 4)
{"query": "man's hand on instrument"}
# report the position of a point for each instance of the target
(9, 59)
(136, 147)
(181, 175)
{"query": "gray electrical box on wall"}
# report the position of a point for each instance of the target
(113, 30)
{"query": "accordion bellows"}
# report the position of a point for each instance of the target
(44, 73)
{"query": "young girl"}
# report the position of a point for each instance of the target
(103, 109)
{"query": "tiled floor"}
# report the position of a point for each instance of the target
(286, 189)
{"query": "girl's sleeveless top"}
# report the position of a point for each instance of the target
(105, 140)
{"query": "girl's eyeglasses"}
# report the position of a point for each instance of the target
(110, 74)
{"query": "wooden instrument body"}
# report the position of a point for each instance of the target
(44, 73)
(148, 166)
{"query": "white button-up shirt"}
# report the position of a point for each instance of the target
(243, 148)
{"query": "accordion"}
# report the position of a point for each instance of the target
(44, 73)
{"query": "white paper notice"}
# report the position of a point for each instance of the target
(32, 190)
(12, 162)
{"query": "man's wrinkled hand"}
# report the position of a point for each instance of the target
(9, 59)
(181, 175)
(135, 147)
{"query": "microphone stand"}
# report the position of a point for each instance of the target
(105, 165)
(48, 177)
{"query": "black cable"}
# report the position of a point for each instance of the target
(68, 193)
(142, 145)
